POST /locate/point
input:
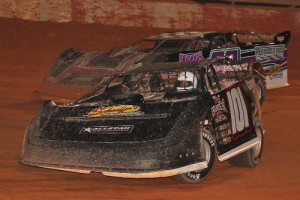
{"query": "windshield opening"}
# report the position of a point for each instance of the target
(152, 86)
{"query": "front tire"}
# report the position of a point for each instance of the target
(210, 154)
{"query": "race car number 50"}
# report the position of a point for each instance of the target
(238, 110)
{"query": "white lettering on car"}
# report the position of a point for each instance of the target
(238, 110)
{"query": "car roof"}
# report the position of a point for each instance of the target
(178, 35)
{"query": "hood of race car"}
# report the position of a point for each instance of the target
(120, 123)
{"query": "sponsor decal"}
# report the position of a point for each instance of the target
(219, 110)
(266, 53)
(275, 71)
(226, 140)
(231, 68)
(191, 57)
(225, 134)
(220, 117)
(106, 129)
(223, 127)
(120, 110)
(219, 106)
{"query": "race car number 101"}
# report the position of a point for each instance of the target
(238, 110)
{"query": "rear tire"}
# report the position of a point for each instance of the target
(251, 157)
(210, 154)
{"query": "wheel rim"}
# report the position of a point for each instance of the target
(198, 175)
(257, 148)
(259, 92)
(207, 153)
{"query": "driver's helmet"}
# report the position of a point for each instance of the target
(186, 81)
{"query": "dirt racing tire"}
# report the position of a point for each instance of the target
(210, 152)
(261, 88)
(251, 157)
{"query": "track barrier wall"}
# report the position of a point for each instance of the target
(178, 14)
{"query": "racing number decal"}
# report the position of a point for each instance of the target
(238, 110)
(232, 119)
(233, 53)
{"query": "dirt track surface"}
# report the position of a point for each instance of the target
(27, 51)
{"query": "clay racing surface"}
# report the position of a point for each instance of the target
(27, 51)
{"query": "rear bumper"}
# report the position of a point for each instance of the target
(149, 159)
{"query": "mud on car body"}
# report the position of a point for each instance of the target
(144, 123)
(80, 71)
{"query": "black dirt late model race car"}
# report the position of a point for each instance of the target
(154, 120)
(77, 71)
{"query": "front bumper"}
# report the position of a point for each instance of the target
(148, 159)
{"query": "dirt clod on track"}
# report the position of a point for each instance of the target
(27, 51)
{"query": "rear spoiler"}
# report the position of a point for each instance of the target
(282, 38)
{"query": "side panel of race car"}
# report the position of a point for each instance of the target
(232, 122)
